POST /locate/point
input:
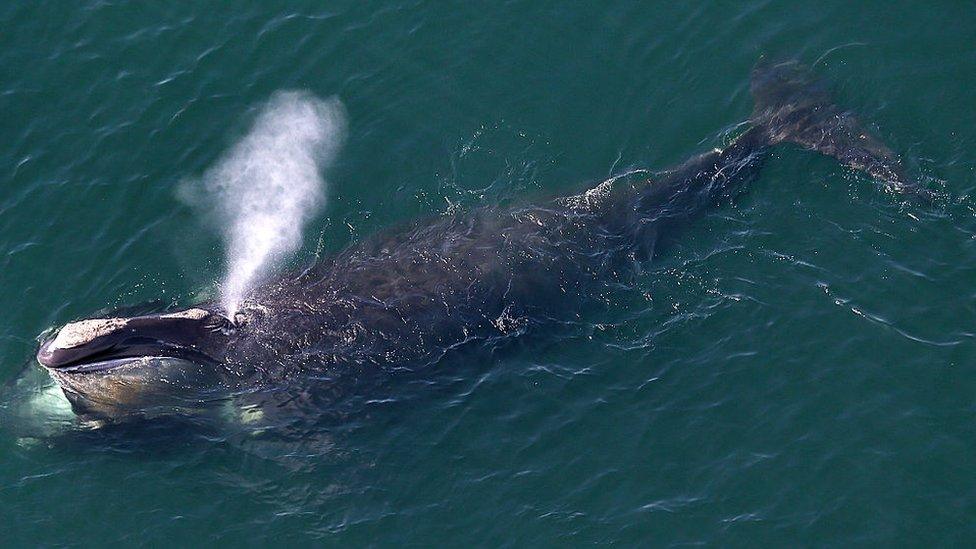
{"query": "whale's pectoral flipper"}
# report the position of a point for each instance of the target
(792, 105)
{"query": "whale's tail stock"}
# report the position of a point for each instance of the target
(792, 105)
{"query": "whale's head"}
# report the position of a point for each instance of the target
(117, 365)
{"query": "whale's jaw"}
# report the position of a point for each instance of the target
(120, 389)
(122, 365)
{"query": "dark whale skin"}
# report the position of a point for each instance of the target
(402, 299)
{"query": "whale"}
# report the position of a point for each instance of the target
(405, 298)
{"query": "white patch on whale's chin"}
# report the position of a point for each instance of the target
(50, 401)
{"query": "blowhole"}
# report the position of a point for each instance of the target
(240, 320)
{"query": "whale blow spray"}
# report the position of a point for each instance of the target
(268, 185)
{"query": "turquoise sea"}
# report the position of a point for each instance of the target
(799, 368)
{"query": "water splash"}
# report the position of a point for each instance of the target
(268, 185)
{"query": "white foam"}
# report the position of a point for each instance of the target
(268, 185)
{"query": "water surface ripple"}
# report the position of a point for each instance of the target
(799, 367)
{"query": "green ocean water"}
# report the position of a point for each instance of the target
(799, 369)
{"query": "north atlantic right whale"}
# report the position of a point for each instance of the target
(405, 298)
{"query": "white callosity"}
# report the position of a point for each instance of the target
(190, 314)
(83, 331)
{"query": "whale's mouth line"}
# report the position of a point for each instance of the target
(128, 353)
(106, 365)
(100, 344)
